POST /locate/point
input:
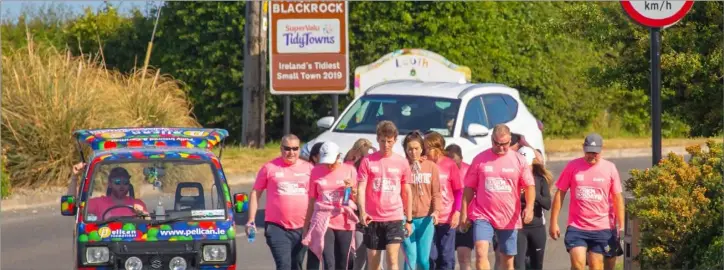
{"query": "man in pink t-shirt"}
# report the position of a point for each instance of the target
(287, 180)
(118, 202)
(595, 182)
(383, 193)
(495, 178)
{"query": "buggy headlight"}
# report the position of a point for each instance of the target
(133, 263)
(95, 255)
(214, 253)
(177, 263)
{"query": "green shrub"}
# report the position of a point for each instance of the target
(4, 178)
(47, 94)
(680, 205)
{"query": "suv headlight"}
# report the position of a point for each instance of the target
(95, 255)
(214, 253)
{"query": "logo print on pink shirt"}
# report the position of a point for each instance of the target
(591, 194)
(291, 188)
(383, 185)
(497, 184)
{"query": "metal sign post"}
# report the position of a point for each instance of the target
(656, 15)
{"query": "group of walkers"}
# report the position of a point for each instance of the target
(351, 211)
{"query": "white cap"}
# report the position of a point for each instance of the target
(328, 153)
(528, 153)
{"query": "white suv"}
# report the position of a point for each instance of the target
(462, 113)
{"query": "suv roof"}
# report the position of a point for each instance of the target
(434, 89)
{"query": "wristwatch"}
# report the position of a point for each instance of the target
(409, 221)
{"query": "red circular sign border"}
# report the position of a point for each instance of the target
(641, 19)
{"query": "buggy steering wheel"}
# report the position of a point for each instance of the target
(120, 206)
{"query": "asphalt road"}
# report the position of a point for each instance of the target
(41, 238)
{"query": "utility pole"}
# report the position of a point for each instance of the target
(254, 101)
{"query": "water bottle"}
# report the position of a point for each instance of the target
(347, 193)
(160, 211)
(252, 233)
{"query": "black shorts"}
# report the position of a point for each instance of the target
(465, 239)
(377, 235)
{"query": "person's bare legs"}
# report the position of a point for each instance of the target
(609, 263)
(393, 256)
(505, 262)
(595, 261)
(373, 259)
(578, 258)
(465, 258)
(481, 255)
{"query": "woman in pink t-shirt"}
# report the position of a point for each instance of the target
(464, 243)
(451, 189)
(330, 224)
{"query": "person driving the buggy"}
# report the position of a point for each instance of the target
(118, 203)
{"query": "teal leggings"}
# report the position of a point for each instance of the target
(417, 246)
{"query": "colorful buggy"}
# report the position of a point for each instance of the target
(153, 198)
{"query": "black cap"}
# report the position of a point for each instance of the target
(514, 138)
(593, 143)
(119, 172)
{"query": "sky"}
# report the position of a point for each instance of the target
(11, 8)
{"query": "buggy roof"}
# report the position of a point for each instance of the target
(159, 137)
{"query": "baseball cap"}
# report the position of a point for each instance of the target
(593, 143)
(119, 172)
(328, 153)
(514, 138)
(528, 153)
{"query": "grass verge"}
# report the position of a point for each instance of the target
(575, 145)
(241, 160)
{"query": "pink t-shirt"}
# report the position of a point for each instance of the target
(450, 181)
(97, 206)
(611, 212)
(287, 198)
(498, 181)
(463, 170)
(383, 195)
(593, 187)
(328, 187)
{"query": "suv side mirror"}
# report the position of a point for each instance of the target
(241, 202)
(67, 205)
(475, 130)
(325, 122)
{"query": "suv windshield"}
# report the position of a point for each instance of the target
(407, 112)
(131, 191)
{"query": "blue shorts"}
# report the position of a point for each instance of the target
(601, 241)
(507, 239)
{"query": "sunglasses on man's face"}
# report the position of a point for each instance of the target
(289, 148)
(121, 181)
(501, 144)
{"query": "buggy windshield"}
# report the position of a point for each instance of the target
(155, 190)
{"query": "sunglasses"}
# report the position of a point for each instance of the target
(288, 148)
(501, 144)
(121, 181)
